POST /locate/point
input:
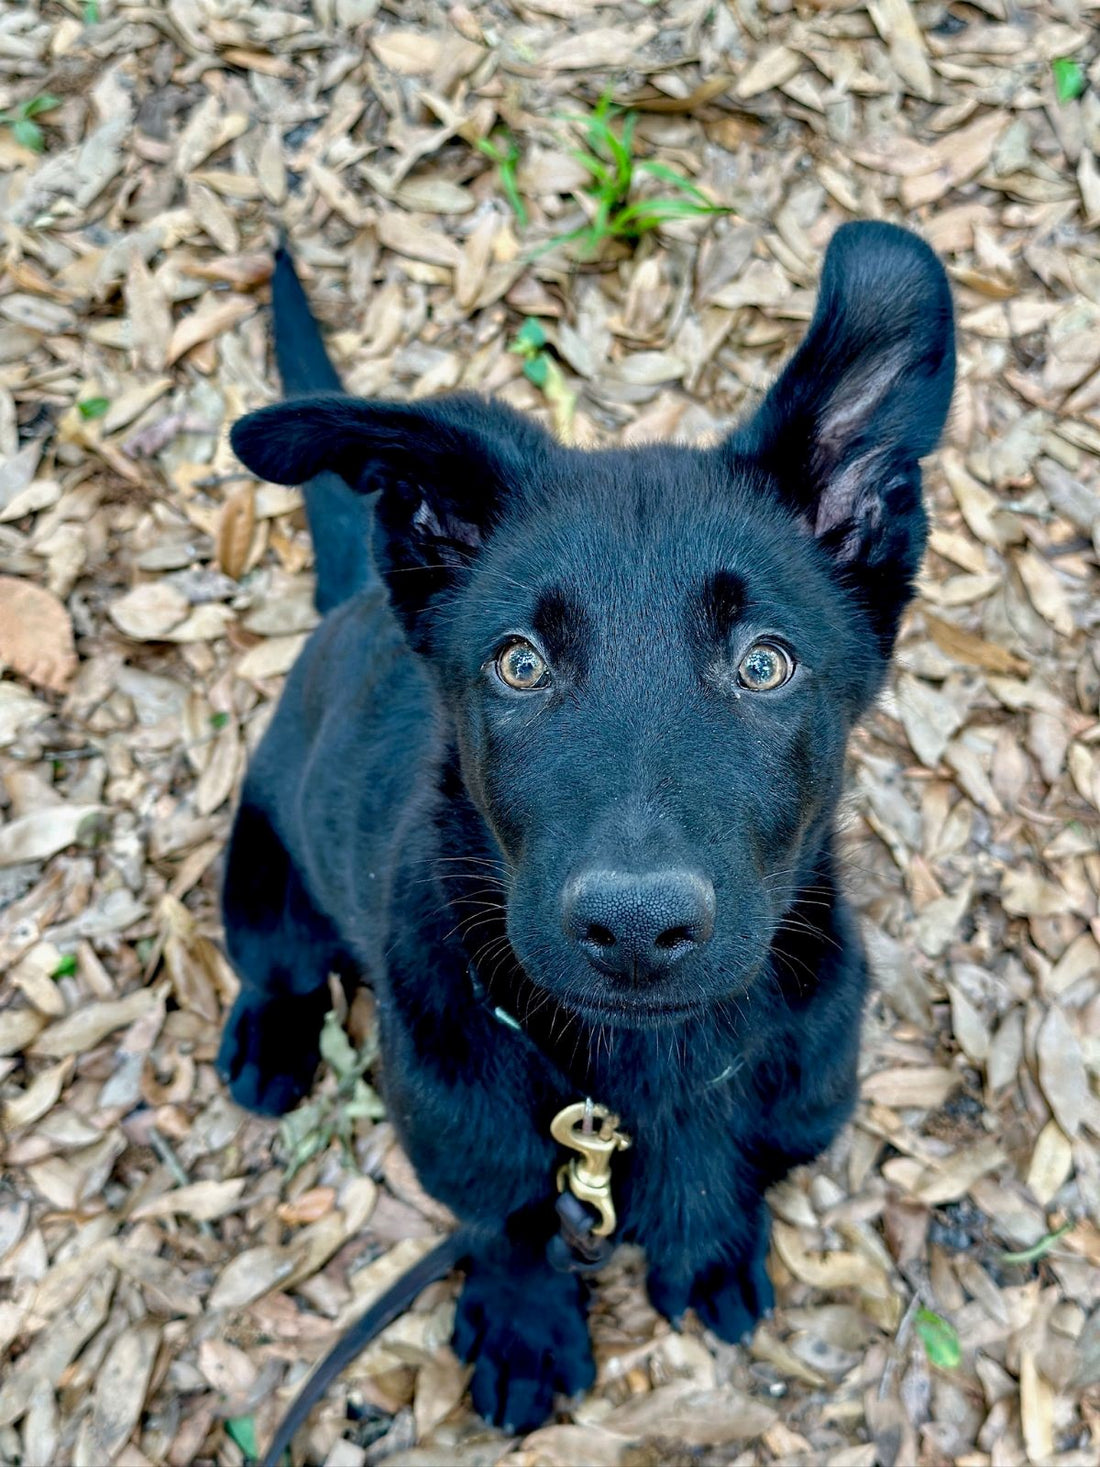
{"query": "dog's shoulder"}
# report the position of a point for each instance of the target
(351, 739)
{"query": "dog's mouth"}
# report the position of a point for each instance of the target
(625, 1007)
(629, 1012)
(635, 1015)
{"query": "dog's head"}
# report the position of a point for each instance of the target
(653, 658)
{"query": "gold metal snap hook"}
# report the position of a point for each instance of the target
(592, 1130)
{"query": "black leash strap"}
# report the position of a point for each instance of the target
(575, 1248)
(399, 1297)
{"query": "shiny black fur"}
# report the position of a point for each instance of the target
(410, 819)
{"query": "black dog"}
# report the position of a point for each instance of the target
(575, 752)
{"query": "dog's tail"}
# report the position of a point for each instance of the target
(339, 519)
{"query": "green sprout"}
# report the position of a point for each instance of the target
(1040, 1249)
(540, 368)
(530, 343)
(310, 1128)
(620, 211)
(242, 1430)
(20, 119)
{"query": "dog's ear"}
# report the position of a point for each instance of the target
(444, 468)
(863, 398)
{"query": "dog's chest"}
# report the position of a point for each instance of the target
(694, 1126)
(687, 1169)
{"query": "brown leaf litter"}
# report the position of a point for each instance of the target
(163, 1287)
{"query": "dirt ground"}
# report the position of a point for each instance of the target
(166, 1277)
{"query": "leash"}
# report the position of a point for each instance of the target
(582, 1245)
(390, 1306)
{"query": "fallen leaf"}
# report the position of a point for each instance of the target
(1036, 1411)
(409, 53)
(835, 1269)
(927, 1086)
(250, 1275)
(952, 1178)
(1046, 591)
(773, 69)
(681, 1412)
(150, 611)
(599, 48)
(1051, 1163)
(894, 21)
(957, 642)
(19, 710)
(36, 635)
(226, 1367)
(1062, 1071)
(44, 832)
(928, 717)
(214, 316)
(119, 1396)
(202, 1201)
(440, 1383)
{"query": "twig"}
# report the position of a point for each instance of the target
(164, 1151)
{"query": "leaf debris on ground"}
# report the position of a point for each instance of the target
(166, 1278)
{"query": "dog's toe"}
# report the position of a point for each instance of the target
(515, 1392)
(732, 1298)
(268, 1054)
(267, 1095)
(669, 1294)
(527, 1339)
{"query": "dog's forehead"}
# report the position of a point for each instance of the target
(642, 536)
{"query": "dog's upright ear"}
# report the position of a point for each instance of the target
(444, 469)
(863, 398)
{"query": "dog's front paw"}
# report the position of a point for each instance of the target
(732, 1297)
(270, 1052)
(527, 1337)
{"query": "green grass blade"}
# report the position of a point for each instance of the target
(44, 102)
(1038, 1250)
(670, 176)
(649, 214)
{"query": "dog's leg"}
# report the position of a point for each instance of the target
(733, 1294)
(464, 1092)
(523, 1326)
(283, 950)
(724, 1278)
(730, 1291)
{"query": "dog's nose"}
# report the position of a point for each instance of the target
(637, 925)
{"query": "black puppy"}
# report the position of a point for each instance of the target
(575, 753)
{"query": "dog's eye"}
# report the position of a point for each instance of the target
(765, 666)
(522, 667)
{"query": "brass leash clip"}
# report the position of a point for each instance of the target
(592, 1130)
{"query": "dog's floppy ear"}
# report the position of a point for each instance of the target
(444, 468)
(863, 398)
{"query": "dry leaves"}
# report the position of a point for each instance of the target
(158, 1271)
